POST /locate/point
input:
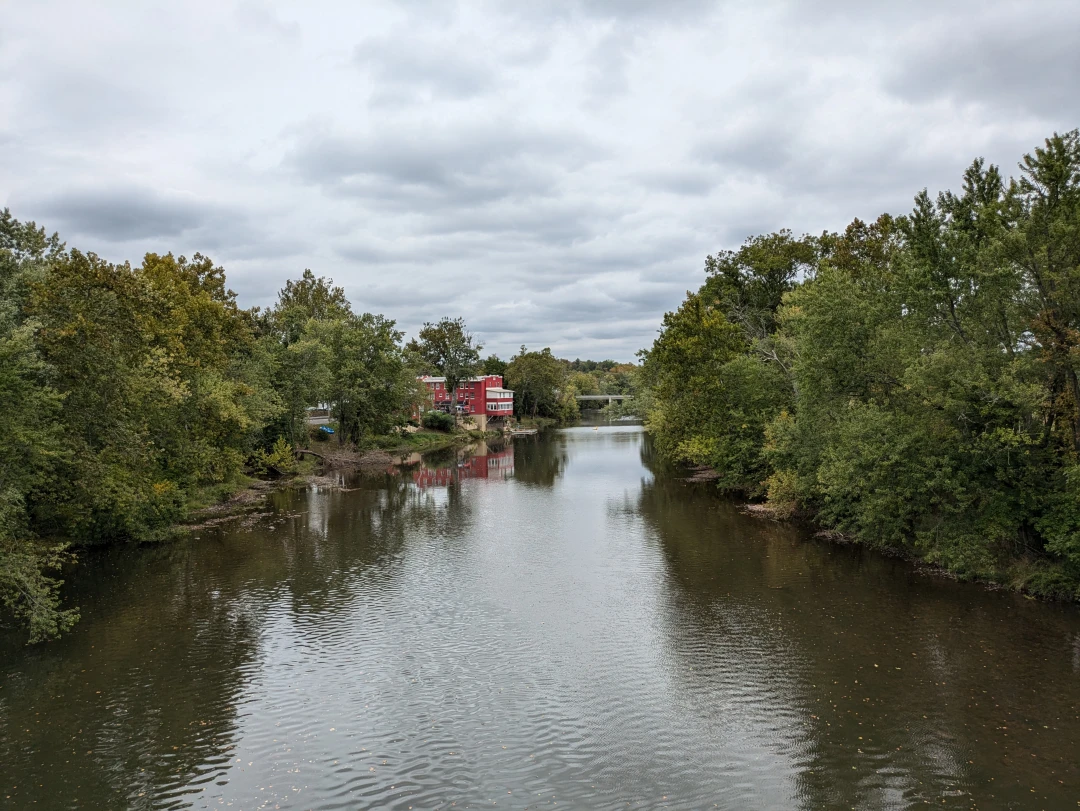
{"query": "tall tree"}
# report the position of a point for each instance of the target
(370, 383)
(32, 448)
(305, 299)
(749, 284)
(538, 379)
(493, 365)
(449, 349)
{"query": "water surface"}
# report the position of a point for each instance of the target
(558, 622)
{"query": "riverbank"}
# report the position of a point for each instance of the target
(1043, 580)
(569, 559)
(540, 423)
(244, 494)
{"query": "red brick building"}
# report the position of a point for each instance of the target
(482, 398)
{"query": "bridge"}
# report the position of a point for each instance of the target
(602, 398)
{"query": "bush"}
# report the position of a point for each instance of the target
(280, 459)
(439, 421)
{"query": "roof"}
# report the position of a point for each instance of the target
(499, 388)
(433, 379)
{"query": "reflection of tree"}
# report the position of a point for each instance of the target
(649, 458)
(341, 534)
(170, 637)
(152, 706)
(871, 682)
(539, 459)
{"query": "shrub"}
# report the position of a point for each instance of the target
(439, 421)
(280, 459)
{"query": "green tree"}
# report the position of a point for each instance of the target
(539, 380)
(749, 284)
(449, 349)
(370, 383)
(493, 365)
(301, 374)
(910, 382)
(31, 451)
(31, 438)
(306, 299)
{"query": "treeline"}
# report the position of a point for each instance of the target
(547, 386)
(131, 393)
(911, 382)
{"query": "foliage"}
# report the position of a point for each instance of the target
(129, 391)
(912, 382)
(541, 385)
(279, 460)
(493, 365)
(307, 299)
(449, 349)
(370, 383)
(438, 421)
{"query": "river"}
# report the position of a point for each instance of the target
(559, 622)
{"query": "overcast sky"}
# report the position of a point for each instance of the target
(554, 171)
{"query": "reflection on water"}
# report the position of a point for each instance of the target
(480, 461)
(554, 621)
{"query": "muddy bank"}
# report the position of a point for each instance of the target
(349, 458)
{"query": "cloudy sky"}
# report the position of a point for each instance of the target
(553, 171)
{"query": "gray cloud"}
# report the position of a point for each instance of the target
(133, 215)
(263, 19)
(400, 67)
(619, 10)
(124, 214)
(1009, 62)
(434, 168)
(553, 172)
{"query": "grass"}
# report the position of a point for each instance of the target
(421, 440)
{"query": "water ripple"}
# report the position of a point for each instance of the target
(575, 632)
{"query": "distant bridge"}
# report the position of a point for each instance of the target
(603, 398)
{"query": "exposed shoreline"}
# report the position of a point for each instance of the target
(249, 495)
(1033, 579)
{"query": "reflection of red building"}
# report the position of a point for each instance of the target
(482, 397)
(484, 464)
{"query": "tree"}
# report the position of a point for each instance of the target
(31, 450)
(683, 368)
(31, 438)
(449, 349)
(749, 284)
(493, 365)
(537, 379)
(1045, 248)
(911, 382)
(370, 384)
(305, 299)
(301, 380)
(301, 375)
